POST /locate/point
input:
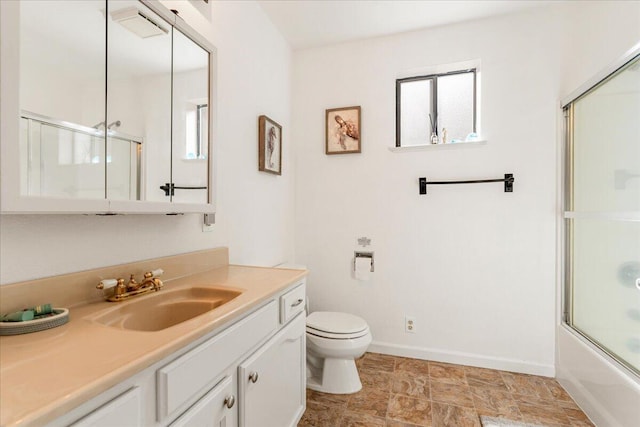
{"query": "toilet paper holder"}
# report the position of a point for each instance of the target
(357, 254)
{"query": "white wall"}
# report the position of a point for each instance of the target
(255, 210)
(463, 260)
(475, 266)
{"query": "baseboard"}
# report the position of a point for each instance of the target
(460, 358)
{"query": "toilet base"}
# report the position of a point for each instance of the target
(335, 376)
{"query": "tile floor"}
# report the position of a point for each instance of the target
(401, 392)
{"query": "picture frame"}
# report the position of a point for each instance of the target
(269, 146)
(343, 133)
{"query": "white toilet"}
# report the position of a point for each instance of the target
(334, 341)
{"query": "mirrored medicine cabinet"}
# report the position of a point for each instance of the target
(116, 104)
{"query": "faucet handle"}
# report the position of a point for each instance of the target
(154, 273)
(118, 284)
(121, 288)
(106, 284)
(152, 277)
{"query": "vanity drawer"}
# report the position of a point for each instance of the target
(292, 303)
(125, 410)
(216, 408)
(184, 380)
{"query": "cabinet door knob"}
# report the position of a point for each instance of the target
(297, 303)
(253, 377)
(230, 401)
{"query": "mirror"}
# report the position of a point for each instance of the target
(190, 121)
(138, 103)
(125, 118)
(62, 97)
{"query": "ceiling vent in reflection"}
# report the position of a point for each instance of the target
(135, 21)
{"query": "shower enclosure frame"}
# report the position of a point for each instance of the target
(567, 275)
(107, 134)
(606, 390)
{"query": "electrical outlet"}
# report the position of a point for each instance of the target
(409, 324)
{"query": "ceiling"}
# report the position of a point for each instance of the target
(311, 23)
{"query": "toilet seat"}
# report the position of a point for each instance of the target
(333, 325)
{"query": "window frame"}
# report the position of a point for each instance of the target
(434, 97)
(201, 109)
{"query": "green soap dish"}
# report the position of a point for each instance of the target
(60, 317)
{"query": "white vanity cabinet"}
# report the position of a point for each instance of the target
(272, 380)
(210, 383)
(218, 408)
(123, 411)
(186, 378)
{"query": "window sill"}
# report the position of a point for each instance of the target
(428, 147)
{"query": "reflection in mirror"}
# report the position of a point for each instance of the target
(145, 87)
(190, 121)
(61, 100)
(138, 103)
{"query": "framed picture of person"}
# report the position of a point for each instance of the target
(343, 130)
(269, 146)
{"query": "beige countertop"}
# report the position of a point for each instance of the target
(45, 374)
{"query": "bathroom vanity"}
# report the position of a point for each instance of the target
(239, 364)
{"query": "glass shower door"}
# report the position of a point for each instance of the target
(603, 215)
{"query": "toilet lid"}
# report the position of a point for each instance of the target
(336, 323)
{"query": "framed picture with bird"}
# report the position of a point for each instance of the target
(343, 130)
(269, 146)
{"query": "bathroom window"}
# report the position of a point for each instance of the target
(439, 106)
(201, 130)
(196, 131)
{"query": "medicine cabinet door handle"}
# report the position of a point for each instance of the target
(297, 303)
(230, 401)
(253, 377)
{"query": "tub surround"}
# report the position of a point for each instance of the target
(78, 361)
